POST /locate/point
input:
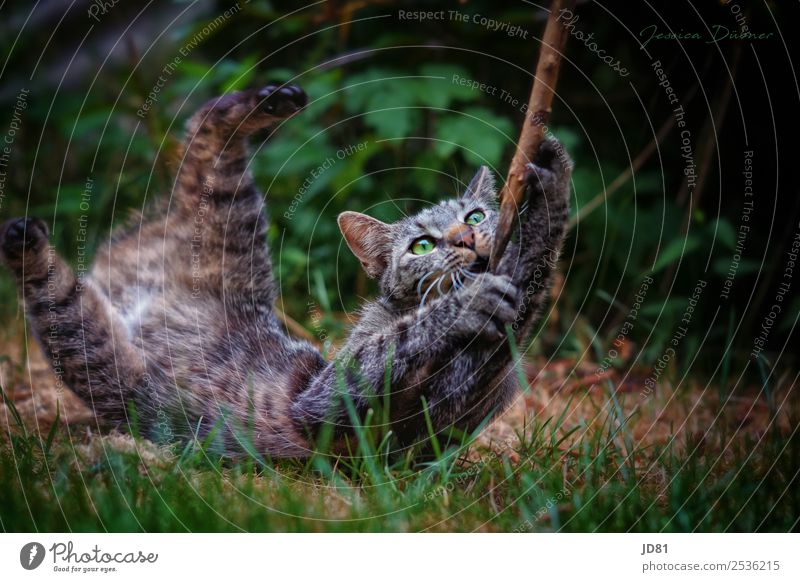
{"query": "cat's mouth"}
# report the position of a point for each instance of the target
(437, 283)
(479, 265)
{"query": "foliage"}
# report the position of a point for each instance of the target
(424, 129)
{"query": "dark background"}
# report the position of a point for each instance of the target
(385, 81)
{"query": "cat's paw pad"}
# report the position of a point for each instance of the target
(281, 100)
(22, 235)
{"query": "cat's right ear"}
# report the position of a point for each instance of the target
(368, 238)
(482, 186)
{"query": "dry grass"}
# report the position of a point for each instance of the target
(689, 415)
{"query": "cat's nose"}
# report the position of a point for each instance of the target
(461, 236)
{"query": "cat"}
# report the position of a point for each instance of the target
(174, 328)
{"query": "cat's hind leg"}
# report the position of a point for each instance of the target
(77, 327)
(216, 152)
(221, 219)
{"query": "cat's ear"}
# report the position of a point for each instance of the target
(482, 186)
(369, 239)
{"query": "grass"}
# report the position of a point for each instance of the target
(549, 477)
(580, 457)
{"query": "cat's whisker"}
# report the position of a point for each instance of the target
(389, 198)
(428, 290)
(439, 285)
(458, 278)
(458, 284)
(469, 274)
(421, 281)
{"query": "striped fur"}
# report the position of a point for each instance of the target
(175, 322)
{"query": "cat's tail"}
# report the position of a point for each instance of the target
(87, 347)
(216, 153)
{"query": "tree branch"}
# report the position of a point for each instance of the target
(532, 135)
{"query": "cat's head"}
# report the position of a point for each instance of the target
(429, 253)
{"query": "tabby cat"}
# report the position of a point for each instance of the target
(175, 324)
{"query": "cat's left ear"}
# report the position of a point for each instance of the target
(368, 238)
(482, 186)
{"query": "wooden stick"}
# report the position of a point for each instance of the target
(532, 135)
(295, 326)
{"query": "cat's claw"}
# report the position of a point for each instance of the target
(282, 100)
(490, 302)
(21, 235)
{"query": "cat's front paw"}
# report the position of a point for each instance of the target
(551, 170)
(487, 305)
(19, 236)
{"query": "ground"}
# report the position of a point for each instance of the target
(577, 451)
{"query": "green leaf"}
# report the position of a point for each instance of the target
(322, 88)
(392, 110)
(240, 76)
(393, 123)
(359, 89)
(724, 232)
(723, 265)
(441, 87)
(194, 69)
(666, 309)
(478, 133)
(675, 250)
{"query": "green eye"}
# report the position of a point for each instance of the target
(422, 246)
(475, 217)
